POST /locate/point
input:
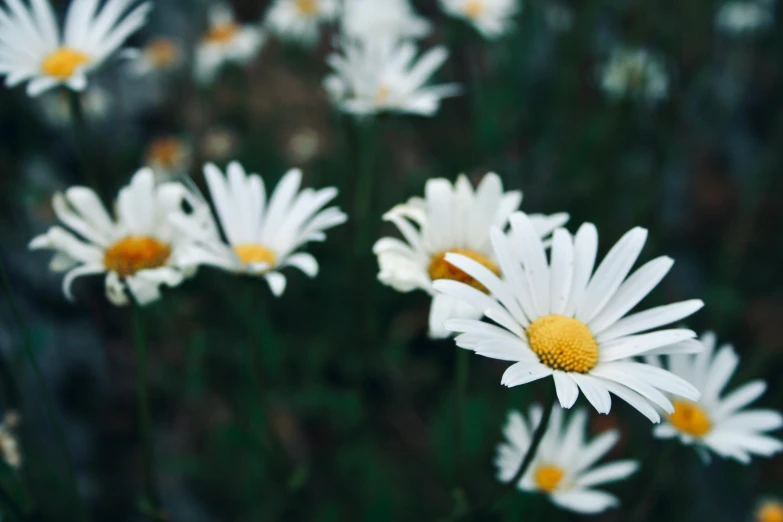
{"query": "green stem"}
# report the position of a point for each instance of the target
(10, 507)
(47, 400)
(148, 451)
(363, 147)
(81, 139)
(460, 391)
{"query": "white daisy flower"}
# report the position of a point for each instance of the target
(743, 17)
(383, 19)
(160, 55)
(33, 49)
(492, 18)
(138, 250)
(300, 20)
(560, 319)
(263, 237)
(373, 76)
(226, 41)
(564, 465)
(717, 422)
(450, 218)
(634, 73)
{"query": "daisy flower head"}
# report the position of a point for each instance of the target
(383, 19)
(169, 157)
(634, 73)
(138, 250)
(769, 511)
(492, 18)
(564, 467)
(450, 218)
(719, 422)
(160, 55)
(743, 17)
(33, 50)
(225, 41)
(372, 76)
(262, 237)
(560, 318)
(300, 20)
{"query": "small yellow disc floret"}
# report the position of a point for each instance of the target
(251, 253)
(442, 269)
(563, 343)
(134, 253)
(63, 62)
(547, 477)
(690, 418)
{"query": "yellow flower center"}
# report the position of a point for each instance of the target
(547, 477)
(162, 52)
(134, 253)
(474, 8)
(62, 63)
(166, 152)
(382, 95)
(770, 512)
(307, 7)
(563, 343)
(442, 269)
(222, 33)
(690, 418)
(252, 253)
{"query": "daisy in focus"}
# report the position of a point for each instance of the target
(450, 218)
(718, 422)
(383, 19)
(374, 76)
(559, 318)
(138, 250)
(300, 20)
(492, 18)
(262, 236)
(226, 41)
(743, 17)
(634, 73)
(32, 48)
(158, 56)
(769, 511)
(564, 467)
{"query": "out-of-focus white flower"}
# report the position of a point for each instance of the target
(169, 157)
(159, 55)
(564, 468)
(263, 237)
(719, 423)
(300, 20)
(374, 76)
(451, 218)
(303, 145)
(56, 107)
(139, 250)
(743, 16)
(559, 318)
(9, 446)
(33, 49)
(383, 19)
(769, 511)
(635, 73)
(492, 18)
(226, 41)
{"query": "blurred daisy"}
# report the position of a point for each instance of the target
(159, 55)
(33, 50)
(9, 446)
(769, 511)
(634, 73)
(561, 319)
(263, 237)
(383, 19)
(719, 423)
(226, 41)
(564, 465)
(743, 17)
(169, 157)
(374, 76)
(300, 20)
(139, 250)
(492, 18)
(450, 218)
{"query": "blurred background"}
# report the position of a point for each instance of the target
(360, 398)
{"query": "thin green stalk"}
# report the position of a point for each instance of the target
(47, 400)
(461, 371)
(81, 139)
(10, 507)
(363, 145)
(151, 500)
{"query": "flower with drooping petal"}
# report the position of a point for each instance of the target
(33, 50)
(383, 19)
(374, 76)
(262, 237)
(719, 422)
(634, 73)
(492, 18)
(300, 20)
(564, 467)
(560, 318)
(450, 218)
(226, 41)
(743, 16)
(139, 250)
